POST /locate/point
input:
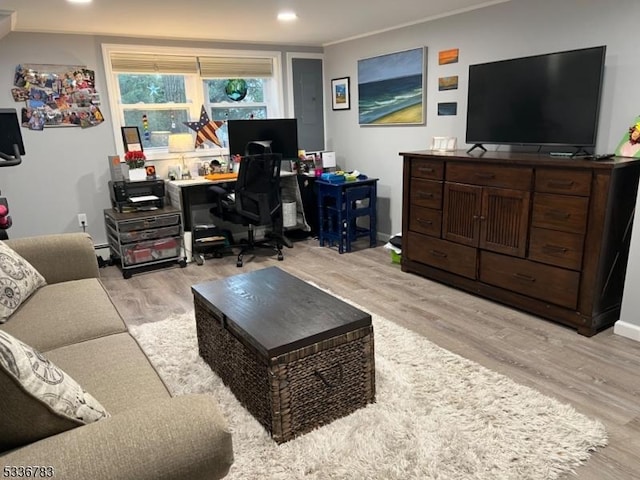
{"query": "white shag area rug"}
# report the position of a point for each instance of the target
(437, 416)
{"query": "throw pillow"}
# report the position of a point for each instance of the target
(38, 399)
(18, 280)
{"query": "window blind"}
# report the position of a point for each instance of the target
(229, 67)
(153, 63)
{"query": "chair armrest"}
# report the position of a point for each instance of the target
(221, 198)
(177, 438)
(60, 257)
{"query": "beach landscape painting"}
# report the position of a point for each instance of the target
(391, 88)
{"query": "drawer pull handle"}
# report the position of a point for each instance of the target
(426, 222)
(560, 183)
(554, 249)
(522, 276)
(438, 253)
(425, 195)
(486, 175)
(324, 376)
(558, 215)
(425, 169)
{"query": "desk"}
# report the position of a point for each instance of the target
(187, 194)
(191, 198)
(339, 207)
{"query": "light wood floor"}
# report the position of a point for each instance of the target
(599, 376)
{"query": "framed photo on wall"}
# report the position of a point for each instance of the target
(340, 95)
(131, 139)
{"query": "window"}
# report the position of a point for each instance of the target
(156, 104)
(236, 99)
(158, 89)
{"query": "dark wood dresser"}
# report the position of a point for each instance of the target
(547, 235)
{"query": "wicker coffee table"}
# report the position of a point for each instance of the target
(294, 356)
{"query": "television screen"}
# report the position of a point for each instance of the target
(10, 133)
(282, 132)
(550, 99)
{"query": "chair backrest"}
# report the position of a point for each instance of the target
(257, 191)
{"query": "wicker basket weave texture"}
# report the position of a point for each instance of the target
(298, 391)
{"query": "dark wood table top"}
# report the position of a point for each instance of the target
(274, 312)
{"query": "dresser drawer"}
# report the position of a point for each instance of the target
(562, 249)
(568, 182)
(431, 169)
(560, 212)
(515, 178)
(452, 257)
(426, 193)
(550, 284)
(425, 220)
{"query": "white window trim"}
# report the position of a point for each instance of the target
(197, 102)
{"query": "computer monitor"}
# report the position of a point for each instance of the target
(281, 132)
(11, 146)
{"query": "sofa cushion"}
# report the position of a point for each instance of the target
(114, 369)
(18, 280)
(38, 398)
(68, 312)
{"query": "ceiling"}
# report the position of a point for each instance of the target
(319, 23)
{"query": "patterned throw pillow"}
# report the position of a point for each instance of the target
(18, 280)
(38, 399)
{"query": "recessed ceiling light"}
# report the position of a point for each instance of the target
(287, 16)
(79, 1)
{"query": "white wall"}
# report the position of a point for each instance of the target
(507, 30)
(65, 170)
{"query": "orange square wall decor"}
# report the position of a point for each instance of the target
(448, 56)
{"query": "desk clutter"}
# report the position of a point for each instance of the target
(340, 176)
(197, 233)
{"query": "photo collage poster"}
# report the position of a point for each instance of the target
(57, 96)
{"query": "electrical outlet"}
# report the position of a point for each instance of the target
(82, 220)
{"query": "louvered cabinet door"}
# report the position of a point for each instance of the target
(461, 213)
(504, 221)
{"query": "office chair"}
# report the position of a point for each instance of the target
(255, 202)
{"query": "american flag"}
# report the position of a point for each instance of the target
(205, 128)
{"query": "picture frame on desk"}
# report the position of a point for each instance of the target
(131, 139)
(151, 172)
(443, 144)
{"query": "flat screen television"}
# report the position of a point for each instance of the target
(544, 100)
(282, 132)
(11, 146)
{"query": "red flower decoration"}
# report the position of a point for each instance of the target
(135, 159)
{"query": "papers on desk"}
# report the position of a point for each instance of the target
(143, 198)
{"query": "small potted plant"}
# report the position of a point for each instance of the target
(135, 162)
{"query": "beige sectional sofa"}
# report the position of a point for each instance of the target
(150, 435)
